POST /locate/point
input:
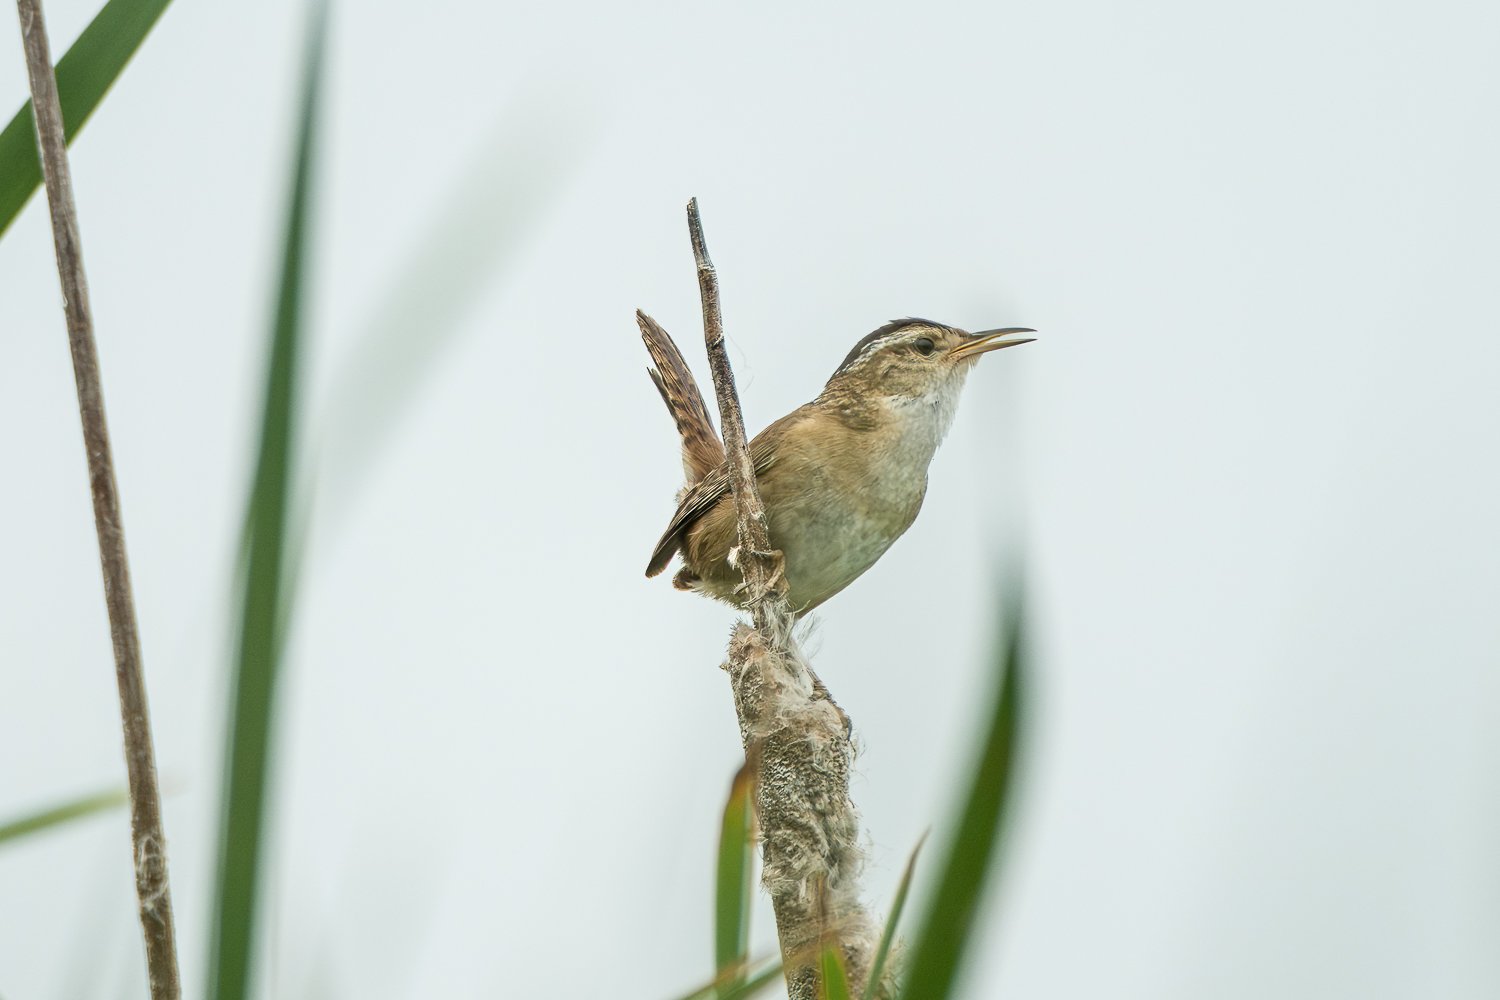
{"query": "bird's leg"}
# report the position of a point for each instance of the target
(775, 583)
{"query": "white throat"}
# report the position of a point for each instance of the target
(924, 420)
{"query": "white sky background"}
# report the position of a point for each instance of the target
(1252, 461)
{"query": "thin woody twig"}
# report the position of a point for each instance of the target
(756, 561)
(149, 842)
(794, 735)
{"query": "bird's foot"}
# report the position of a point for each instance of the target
(775, 584)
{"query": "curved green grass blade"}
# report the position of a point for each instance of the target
(950, 917)
(78, 808)
(733, 881)
(84, 75)
(265, 581)
(835, 976)
(719, 990)
(888, 937)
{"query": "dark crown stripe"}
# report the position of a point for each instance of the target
(894, 326)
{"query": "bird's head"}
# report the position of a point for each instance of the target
(915, 361)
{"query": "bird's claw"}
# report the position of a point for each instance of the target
(776, 582)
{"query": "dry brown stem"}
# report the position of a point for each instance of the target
(148, 840)
(794, 734)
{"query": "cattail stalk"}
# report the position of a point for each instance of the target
(795, 736)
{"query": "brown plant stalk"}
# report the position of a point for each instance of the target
(795, 736)
(147, 838)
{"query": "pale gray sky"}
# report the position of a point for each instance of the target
(1252, 462)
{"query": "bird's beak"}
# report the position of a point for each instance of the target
(990, 340)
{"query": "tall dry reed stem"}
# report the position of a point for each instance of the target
(148, 840)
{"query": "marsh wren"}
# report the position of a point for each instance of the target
(842, 477)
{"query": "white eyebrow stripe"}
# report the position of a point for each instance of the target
(884, 337)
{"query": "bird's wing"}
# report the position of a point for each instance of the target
(701, 449)
(699, 499)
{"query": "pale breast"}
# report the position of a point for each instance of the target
(837, 497)
(848, 503)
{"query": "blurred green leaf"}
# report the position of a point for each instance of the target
(950, 917)
(84, 75)
(265, 578)
(78, 808)
(757, 983)
(479, 227)
(883, 952)
(734, 887)
(835, 977)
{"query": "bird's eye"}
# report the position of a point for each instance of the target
(923, 346)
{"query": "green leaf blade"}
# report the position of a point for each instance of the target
(66, 812)
(945, 932)
(835, 976)
(733, 886)
(84, 75)
(718, 989)
(888, 936)
(266, 580)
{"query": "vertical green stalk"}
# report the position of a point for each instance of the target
(950, 916)
(736, 864)
(888, 937)
(834, 977)
(264, 620)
